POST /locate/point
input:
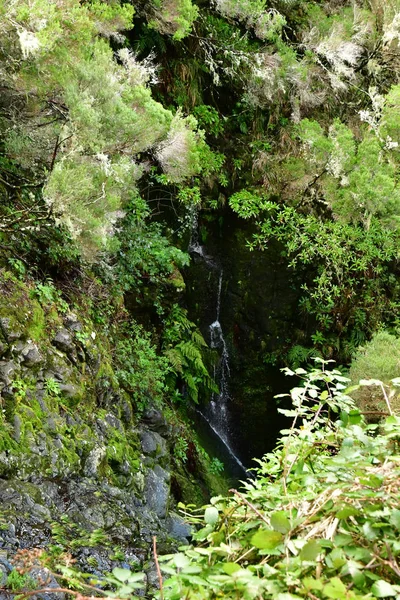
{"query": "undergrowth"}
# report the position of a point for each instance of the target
(321, 519)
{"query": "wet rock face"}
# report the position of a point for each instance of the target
(63, 341)
(89, 518)
(155, 420)
(30, 355)
(10, 332)
(258, 314)
(157, 490)
(76, 469)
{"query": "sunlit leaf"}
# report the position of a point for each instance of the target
(266, 539)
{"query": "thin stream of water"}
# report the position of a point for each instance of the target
(216, 413)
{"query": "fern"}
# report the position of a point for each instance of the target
(198, 339)
(190, 351)
(175, 359)
(185, 348)
(192, 386)
(299, 355)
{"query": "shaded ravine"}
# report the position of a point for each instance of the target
(216, 415)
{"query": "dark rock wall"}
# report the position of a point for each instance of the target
(258, 316)
(78, 468)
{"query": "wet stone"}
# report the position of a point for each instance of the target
(63, 341)
(7, 370)
(11, 334)
(152, 443)
(72, 322)
(31, 355)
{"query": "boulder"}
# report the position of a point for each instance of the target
(72, 322)
(7, 370)
(178, 528)
(63, 341)
(31, 355)
(156, 490)
(155, 420)
(153, 444)
(10, 333)
(93, 461)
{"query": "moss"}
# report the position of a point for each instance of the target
(17, 582)
(121, 448)
(24, 314)
(37, 323)
(379, 359)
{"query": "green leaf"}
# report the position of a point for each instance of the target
(211, 515)
(231, 568)
(395, 518)
(383, 589)
(280, 521)
(310, 551)
(266, 539)
(310, 583)
(181, 560)
(355, 417)
(335, 589)
(122, 575)
(346, 511)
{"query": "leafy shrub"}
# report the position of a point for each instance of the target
(140, 371)
(174, 17)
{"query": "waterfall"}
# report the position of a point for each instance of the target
(217, 412)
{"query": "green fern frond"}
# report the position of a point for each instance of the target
(192, 386)
(210, 385)
(179, 317)
(189, 350)
(175, 359)
(198, 339)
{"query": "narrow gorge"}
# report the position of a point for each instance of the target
(199, 299)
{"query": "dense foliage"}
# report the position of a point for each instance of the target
(128, 126)
(320, 520)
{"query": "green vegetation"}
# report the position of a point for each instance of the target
(269, 132)
(320, 520)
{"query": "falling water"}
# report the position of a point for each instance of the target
(196, 249)
(217, 412)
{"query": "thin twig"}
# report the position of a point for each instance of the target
(253, 508)
(160, 581)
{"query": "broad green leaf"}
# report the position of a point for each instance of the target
(383, 589)
(355, 417)
(231, 568)
(266, 539)
(346, 511)
(280, 521)
(335, 589)
(211, 515)
(126, 576)
(310, 583)
(181, 561)
(310, 551)
(395, 518)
